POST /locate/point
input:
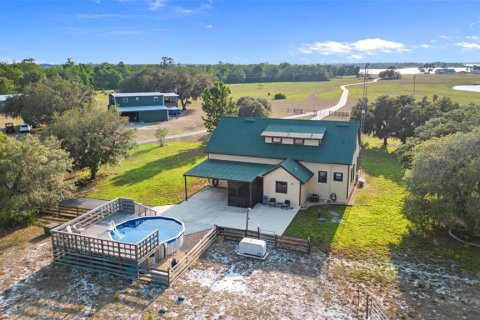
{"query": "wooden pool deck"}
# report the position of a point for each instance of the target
(100, 228)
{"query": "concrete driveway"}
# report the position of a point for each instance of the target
(209, 207)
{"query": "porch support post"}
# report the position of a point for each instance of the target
(251, 194)
(186, 194)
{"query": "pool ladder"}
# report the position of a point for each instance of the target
(112, 227)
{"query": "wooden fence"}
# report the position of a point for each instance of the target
(281, 242)
(64, 212)
(102, 254)
(192, 255)
(167, 277)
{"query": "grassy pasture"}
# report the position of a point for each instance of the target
(425, 85)
(152, 175)
(326, 90)
(375, 227)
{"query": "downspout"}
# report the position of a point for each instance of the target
(300, 196)
(348, 180)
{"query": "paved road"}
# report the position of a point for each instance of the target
(175, 136)
(320, 114)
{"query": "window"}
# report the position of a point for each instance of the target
(155, 98)
(125, 99)
(276, 140)
(281, 187)
(322, 176)
(337, 176)
(298, 141)
(137, 98)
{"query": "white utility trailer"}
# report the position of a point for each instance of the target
(253, 248)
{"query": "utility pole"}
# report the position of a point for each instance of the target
(364, 104)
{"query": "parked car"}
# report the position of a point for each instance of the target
(9, 128)
(25, 128)
(174, 111)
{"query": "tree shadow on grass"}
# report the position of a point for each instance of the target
(378, 161)
(136, 175)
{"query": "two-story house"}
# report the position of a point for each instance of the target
(144, 106)
(284, 159)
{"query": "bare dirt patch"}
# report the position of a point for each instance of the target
(223, 285)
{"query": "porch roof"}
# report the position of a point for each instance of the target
(229, 170)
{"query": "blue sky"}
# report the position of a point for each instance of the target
(142, 31)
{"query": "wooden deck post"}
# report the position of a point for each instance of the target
(186, 195)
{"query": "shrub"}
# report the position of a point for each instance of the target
(161, 134)
(280, 96)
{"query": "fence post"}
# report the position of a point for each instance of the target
(366, 307)
(258, 232)
(309, 245)
(275, 240)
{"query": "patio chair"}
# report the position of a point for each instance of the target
(286, 204)
(272, 202)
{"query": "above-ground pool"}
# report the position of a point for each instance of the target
(135, 230)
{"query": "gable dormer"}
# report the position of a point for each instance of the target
(293, 134)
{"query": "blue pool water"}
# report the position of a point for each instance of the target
(135, 230)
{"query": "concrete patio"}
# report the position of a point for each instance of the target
(209, 207)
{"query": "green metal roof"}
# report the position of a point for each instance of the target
(294, 127)
(297, 170)
(229, 170)
(242, 136)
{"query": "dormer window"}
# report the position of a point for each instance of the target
(302, 135)
(298, 141)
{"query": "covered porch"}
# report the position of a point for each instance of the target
(243, 180)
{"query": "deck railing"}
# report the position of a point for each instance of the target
(103, 254)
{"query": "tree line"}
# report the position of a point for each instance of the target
(441, 154)
(106, 76)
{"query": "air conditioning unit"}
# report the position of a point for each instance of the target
(254, 248)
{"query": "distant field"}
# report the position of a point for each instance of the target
(425, 85)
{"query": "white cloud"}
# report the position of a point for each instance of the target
(157, 4)
(209, 26)
(190, 11)
(468, 45)
(356, 57)
(426, 46)
(377, 45)
(99, 16)
(444, 37)
(355, 50)
(326, 48)
(472, 37)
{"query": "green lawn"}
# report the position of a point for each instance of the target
(376, 227)
(326, 90)
(152, 175)
(426, 85)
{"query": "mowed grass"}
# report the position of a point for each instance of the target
(152, 175)
(425, 85)
(328, 91)
(376, 220)
(376, 227)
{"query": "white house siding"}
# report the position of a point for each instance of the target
(227, 157)
(293, 189)
(324, 190)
